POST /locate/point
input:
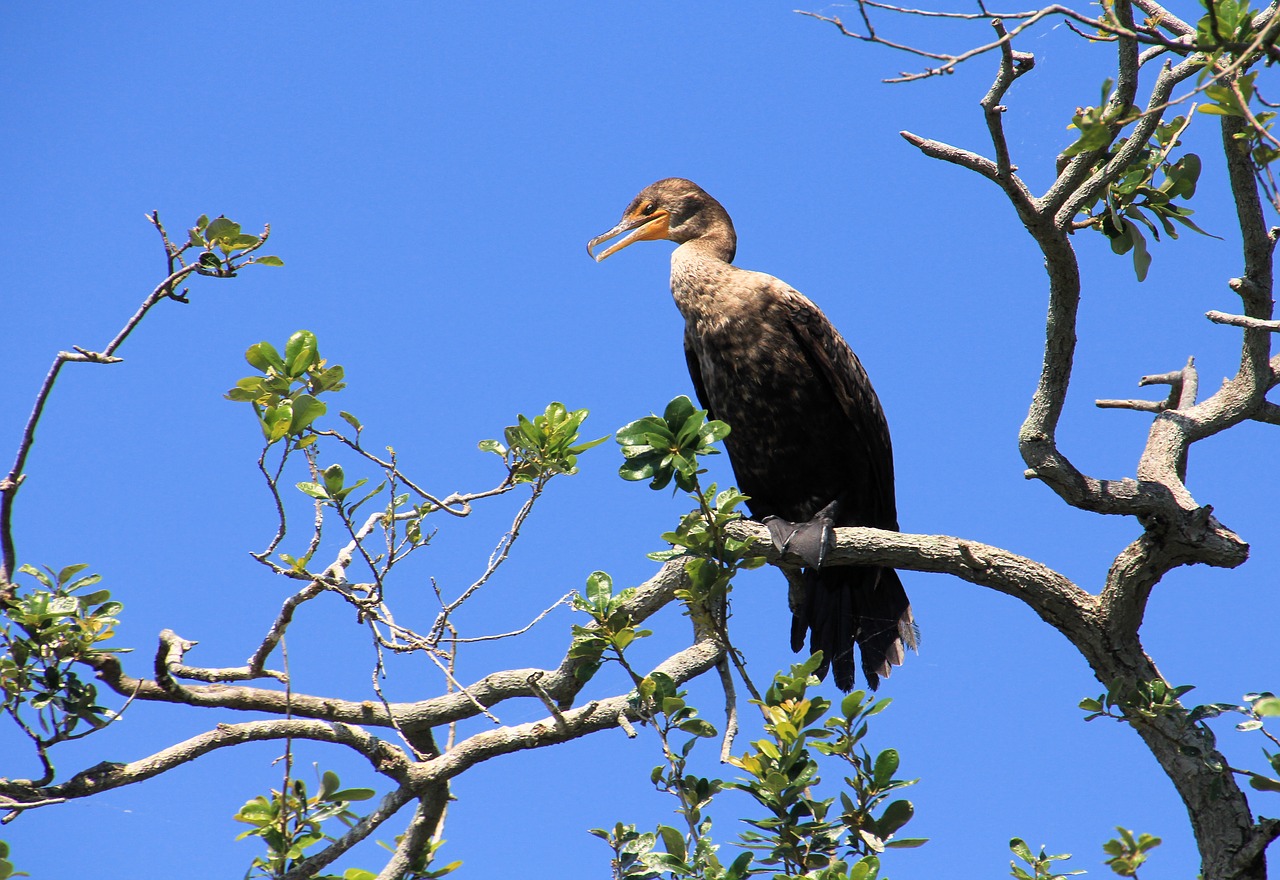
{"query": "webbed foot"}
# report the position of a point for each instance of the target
(811, 540)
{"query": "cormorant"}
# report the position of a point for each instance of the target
(809, 443)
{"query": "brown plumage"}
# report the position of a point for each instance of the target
(809, 443)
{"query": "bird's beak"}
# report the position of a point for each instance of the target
(652, 227)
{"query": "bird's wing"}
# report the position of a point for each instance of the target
(831, 358)
(695, 373)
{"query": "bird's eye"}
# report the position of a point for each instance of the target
(648, 209)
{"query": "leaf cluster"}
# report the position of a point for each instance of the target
(701, 532)
(46, 631)
(286, 396)
(289, 822)
(665, 448)
(332, 489)
(803, 833)
(226, 238)
(419, 864)
(1145, 699)
(800, 835)
(539, 448)
(1127, 853)
(1134, 200)
(1041, 864)
(1227, 100)
(611, 626)
(1226, 27)
(6, 866)
(1150, 699)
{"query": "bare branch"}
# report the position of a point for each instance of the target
(1243, 321)
(278, 627)
(1152, 406)
(1012, 65)
(1164, 18)
(424, 827)
(563, 600)
(391, 804)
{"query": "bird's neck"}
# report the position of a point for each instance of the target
(715, 244)
(700, 272)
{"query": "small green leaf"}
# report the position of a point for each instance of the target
(268, 261)
(306, 409)
(221, 229)
(263, 355)
(301, 353)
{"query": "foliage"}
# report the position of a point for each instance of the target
(611, 628)
(1148, 700)
(419, 865)
(226, 237)
(665, 448)
(289, 821)
(1119, 211)
(800, 834)
(6, 866)
(46, 631)
(286, 396)
(1227, 37)
(1127, 853)
(539, 448)
(1041, 864)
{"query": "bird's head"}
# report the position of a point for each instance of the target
(675, 209)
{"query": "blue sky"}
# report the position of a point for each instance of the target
(431, 173)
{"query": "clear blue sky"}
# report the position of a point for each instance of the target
(431, 173)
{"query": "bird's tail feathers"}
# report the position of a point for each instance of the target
(850, 605)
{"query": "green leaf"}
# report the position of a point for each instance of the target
(599, 588)
(1268, 706)
(268, 261)
(329, 783)
(906, 843)
(886, 766)
(333, 478)
(301, 353)
(242, 241)
(221, 229)
(673, 840)
(895, 815)
(353, 794)
(66, 574)
(698, 727)
(1262, 783)
(306, 409)
(678, 412)
(263, 355)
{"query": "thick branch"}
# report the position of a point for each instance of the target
(595, 716)
(386, 759)
(561, 684)
(1054, 597)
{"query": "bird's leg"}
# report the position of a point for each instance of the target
(811, 540)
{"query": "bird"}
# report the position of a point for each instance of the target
(808, 441)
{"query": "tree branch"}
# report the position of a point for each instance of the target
(312, 865)
(17, 795)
